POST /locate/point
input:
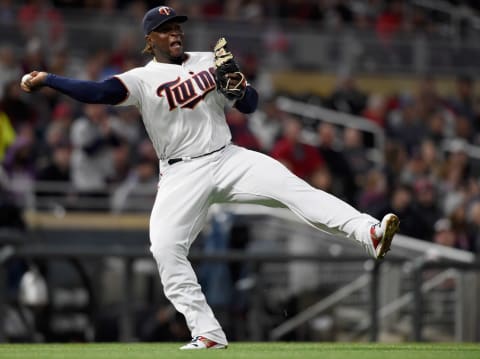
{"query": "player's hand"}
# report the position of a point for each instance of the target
(34, 81)
(236, 78)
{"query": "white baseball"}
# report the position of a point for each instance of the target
(25, 78)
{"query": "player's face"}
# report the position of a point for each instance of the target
(167, 42)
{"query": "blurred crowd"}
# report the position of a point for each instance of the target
(103, 152)
(387, 17)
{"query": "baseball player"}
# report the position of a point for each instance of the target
(182, 96)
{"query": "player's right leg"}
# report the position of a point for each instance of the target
(178, 215)
(255, 178)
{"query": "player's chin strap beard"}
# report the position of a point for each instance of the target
(177, 60)
(173, 60)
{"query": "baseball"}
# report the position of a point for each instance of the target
(25, 78)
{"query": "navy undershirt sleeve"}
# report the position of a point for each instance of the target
(248, 103)
(111, 91)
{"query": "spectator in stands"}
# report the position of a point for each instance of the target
(121, 157)
(137, 191)
(125, 51)
(7, 13)
(58, 168)
(390, 21)
(427, 98)
(61, 4)
(460, 226)
(40, 18)
(127, 124)
(250, 10)
(34, 56)
(463, 101)
(94, 66)
(396, 158)
(145, 149)
(19, 164)
(374, 191)
(92, 159)
(266, 124)
(54, 179)
(415, 168)
(407, 126)
(136, 9)
(18, 111)
(60, 63)
(302, 159)
(402, 202)
(474, 225)
(299, 11)
(355, 154)
(347, 97)
(57, 133)
(212, 9)
(11, 220)
(322, 179)
(463, 128)
(454, 177)
(9, 67)
(277, 45)
(241, 134)
(432, 157)
(438, 127)
(376, 109)
(444, 233)
(7, 134)
(344, 185)
(426, 204)
(10, 213)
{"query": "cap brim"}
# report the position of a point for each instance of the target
(176, 18)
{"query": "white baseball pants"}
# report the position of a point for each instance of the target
(188, 188)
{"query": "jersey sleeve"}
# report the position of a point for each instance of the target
(133, 83)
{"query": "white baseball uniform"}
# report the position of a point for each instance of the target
(184, 117)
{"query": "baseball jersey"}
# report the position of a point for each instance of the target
(182, 112)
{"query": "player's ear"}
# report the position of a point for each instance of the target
(148, 49)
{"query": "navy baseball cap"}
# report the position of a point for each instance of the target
(158, 16)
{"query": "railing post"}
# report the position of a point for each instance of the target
(126, 319)
(3, 308)
(6, 252)
(374, 290)
(418, 302)
(257, 316)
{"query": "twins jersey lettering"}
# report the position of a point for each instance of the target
(182, 112)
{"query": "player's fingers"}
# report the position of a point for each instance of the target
(25, 87)
(234, 75)
(234, 78)
(34, 80)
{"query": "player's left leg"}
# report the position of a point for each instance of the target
(249, 176)
(178, 215)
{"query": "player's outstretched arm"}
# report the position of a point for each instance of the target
(110, 91)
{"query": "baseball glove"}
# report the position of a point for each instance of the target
(230, 81)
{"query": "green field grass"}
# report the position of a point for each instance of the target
(242, 351)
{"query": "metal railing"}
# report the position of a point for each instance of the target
(467, 306)
(321, 114)
(340, 267)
